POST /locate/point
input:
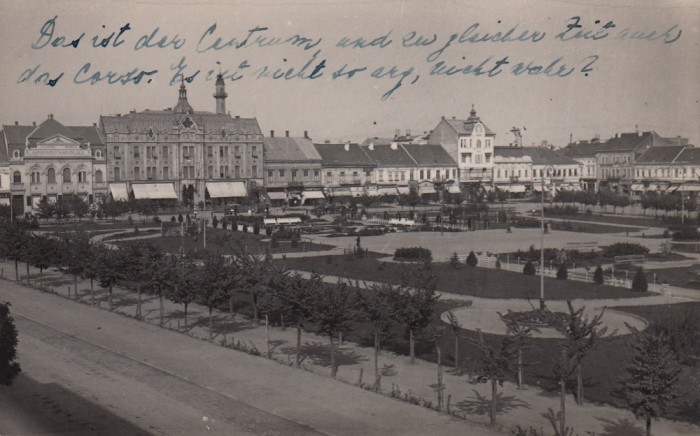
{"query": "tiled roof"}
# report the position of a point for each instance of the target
(17, 134)
(425, 154)
(689, 155)
(290, 149)
(545, 156)
(384, 155)
(50, 128)
(337, 155)
(631, 141)
(583, 148)
(166, 121)
(90, 133)
(660, 154)
(509, 152)
(465, 127)
(4, 157)
(378, 141)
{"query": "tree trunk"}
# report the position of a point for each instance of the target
(111, 298)
(160, 307)
(377, 376)
(494, 401)
(138, 303)
(16, 271)
(75, 285)
(28, 274)
(520, 369)
(411, 345)
(92, 292)
(579, 385)
(41, 277)
(299, 343)
(230, 305)
(333, 369)
(562, 398)
(648, 425)
(255, 308)
(211, 323)
(282, 324)
(267, 338)
(186, 304)
(456, 351)
(439, 378)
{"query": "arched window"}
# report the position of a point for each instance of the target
(51, 175)
(478, 143)
(98, 154)
(478, 129)
(98, 176)
(16, 154)
(17, 177)
(66, 175)
(36, 177)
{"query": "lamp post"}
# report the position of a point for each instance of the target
(549, 169)
(682, 189)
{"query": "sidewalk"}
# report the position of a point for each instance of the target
(524, 407)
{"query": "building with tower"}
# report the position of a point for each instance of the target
(180, 154)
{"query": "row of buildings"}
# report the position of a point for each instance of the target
(179, 154)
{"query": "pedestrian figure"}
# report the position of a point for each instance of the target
(509, 230)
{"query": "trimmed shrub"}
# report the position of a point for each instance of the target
(625, 249)
(180, 218)
(413, 254)
(529, 269)
(471, 259)
(173, 219)
(686, 233)
(598, 276)
(639, 282)
(498, 264)
(256, 229)
(268, 231)
(562, 272)
(215, 222)
(454, 261)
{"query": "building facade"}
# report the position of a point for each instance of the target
(182, 154)
(512, 170)
(470, 143)
(346, 169)
(52, 161)
(292, 170)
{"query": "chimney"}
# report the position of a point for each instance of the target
(16, 123)
(286, 133)
(33, 123)
(394, 145)
(94, 124)
(371, 146)
(443, 117)
(454, 117)
(306, 134)
(397, 133)
(272, 133)
(327, 141)
(347, 146)
(237, 116)
(408, 132)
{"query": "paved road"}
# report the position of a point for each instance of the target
(139, 379)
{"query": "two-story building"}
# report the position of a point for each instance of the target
(553, 170)
(470, 143)
(52, 161)
(512, 170)
(347, 169)
(667, 169)
(292, 170)
(584, 152)
(182, 154)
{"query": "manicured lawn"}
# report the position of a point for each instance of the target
(479, 282)
(131, 234)
(589, 227)
(226, 241)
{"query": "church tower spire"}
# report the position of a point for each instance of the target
(220, 95)
(182, 106)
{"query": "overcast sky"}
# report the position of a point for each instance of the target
(651, 84)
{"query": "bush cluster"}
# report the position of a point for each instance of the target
(413, 254)
(625, 249)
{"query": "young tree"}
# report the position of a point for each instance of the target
(76, 249)
(9, 368)
(653, 375)
(562, 272)
(109, 270)
(529, 269)
(212, 278)
(472, 260)
(456, 328)
(598, 278)
(136, 261)
(417, 303)
(254, 281)
(40, 252)
(377, 304)
(161, 277)
(332, 311)
(639, 282)
(496, 362)
(14, 240)
(186, 285)
(454, 261)
(297, 296)
(79, 207)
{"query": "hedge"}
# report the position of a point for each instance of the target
(413, 254)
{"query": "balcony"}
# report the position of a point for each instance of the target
(83, 187)
(99, 186)
(67, 188)
(18, 187)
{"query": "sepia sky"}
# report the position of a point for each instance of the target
(646, 83)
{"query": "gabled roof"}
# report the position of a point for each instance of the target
(50, 128)
(337, 155)
(17, 135)
(385, 155)
(546, 156)
(290, 149)
(166, 121)
(466, 127)
(632, 142)
(660, 154)
(91, 134)
(583, 148)
(424, 154)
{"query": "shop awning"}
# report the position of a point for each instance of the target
(512, 188)
(154, 191)
(277, 195)
(637, 187)
(341, 192)
(487, 188)
(357, 191)
(426, 190)
(673, 187)
(454, 189)
(119, 191)
(226, 189)
(312, 195)
(387, 191)
(372, 192)
(689, 187)
(403, 189)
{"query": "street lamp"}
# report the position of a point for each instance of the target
(549, 170)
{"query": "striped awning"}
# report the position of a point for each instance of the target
(277, 195)
(119, 191)
(154, 191)
(312, 195)
(387, 191)
(226, 189)
(454, 189)
(403, 189)
(422, 190)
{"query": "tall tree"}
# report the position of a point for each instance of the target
(186, 283)
(653, 375)
(332, 311)
(137, 258)
(417, 303)
(75, 250)
(495, 363)
(161, 278)
(15, 238)
(9, 368)
(41, 250)
(297, 296)
(211, 283)
(378, 305)
(109, 270)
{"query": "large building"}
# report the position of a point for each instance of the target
(470, 143)
(347, 170)
(50, 161)
(292, 170)
(182, 154)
